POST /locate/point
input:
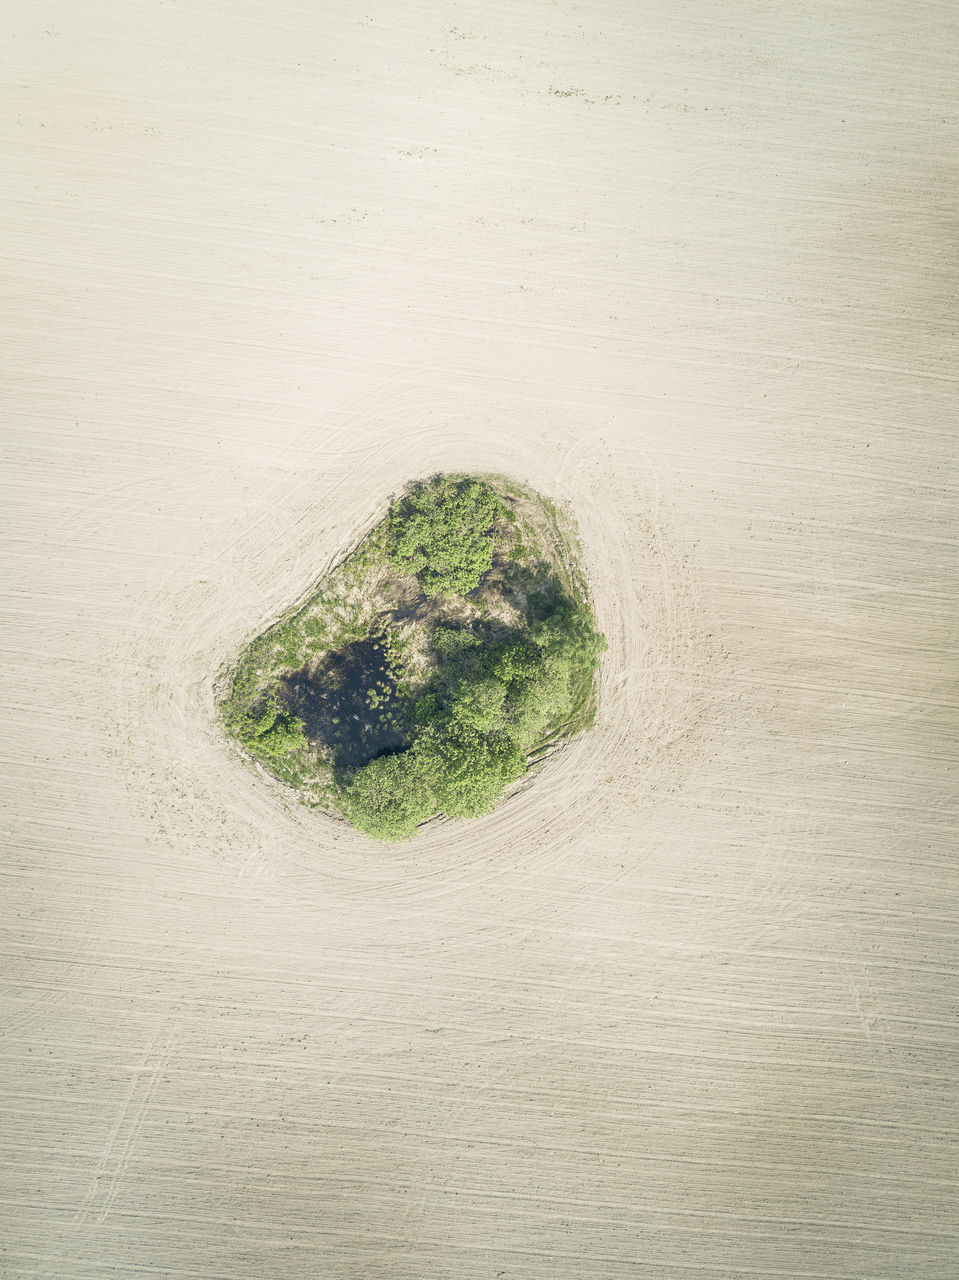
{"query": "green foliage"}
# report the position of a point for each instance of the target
(285, 738)
(479, 706)
(449, 641)
(443, 533)
(390, 796)
(470, 771)
(459, 773)
(270, 730)
(470, 689)
(487, 709)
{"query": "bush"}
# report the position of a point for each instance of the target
(470, 771)
(285, 738)
(272, 730)
(390, 796)
(443, 533)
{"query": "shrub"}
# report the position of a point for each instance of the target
(390, 796)
(443, 533)
(470, 771)
(271, 729)
(284, 738)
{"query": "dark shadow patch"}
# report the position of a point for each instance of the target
(350, 704)
(533, 589)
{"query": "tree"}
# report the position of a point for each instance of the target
(468, 771)
(390, 796)
(443, 533)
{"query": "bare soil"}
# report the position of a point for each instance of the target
(684, 1006)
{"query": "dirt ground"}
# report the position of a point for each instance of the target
(685, 1005)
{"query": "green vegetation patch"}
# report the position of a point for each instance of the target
(431, 666)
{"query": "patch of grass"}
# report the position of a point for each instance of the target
(428, 669)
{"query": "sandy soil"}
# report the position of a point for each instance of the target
(686, 1005)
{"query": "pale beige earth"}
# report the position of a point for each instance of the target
(685, 1006)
